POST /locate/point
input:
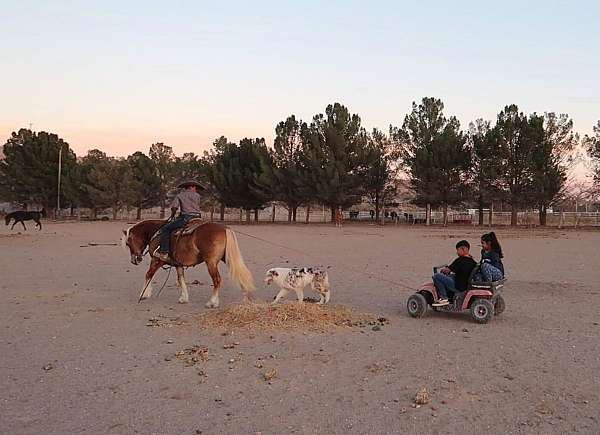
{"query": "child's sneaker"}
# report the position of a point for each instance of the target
(440, 303)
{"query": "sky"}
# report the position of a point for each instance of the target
(121, 75)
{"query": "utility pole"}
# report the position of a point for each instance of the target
(59, 172)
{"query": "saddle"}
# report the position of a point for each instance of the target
(189, 228)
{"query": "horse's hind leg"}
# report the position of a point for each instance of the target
(184, 298)
(213, 270)
(13, 225)
(147, 289)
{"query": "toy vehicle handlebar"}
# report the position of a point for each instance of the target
(436, 269)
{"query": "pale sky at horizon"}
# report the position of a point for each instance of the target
(121, 76)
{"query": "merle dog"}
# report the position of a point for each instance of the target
(22, 215)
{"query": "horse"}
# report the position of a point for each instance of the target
(22, 215)
(208, 243)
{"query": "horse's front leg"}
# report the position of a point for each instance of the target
(13, 225)
(147, 289)
(184, 298)
(24, 227)
(213, 270)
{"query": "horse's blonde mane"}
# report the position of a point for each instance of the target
(125, 236)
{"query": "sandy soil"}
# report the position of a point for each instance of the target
(78, 354)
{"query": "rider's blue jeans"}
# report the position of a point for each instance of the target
(443, 282)
(168, 228)
(491, 273)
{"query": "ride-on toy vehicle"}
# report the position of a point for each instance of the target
(483, 299)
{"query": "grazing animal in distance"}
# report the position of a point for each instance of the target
(23, 215)
(295, 279)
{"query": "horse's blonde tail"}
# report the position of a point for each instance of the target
(237, 268)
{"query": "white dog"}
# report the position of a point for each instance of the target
(296, 279)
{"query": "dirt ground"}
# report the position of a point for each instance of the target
(79, 354)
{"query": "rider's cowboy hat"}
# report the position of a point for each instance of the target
(189, 183)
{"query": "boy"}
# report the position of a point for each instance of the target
(188, 203)
(456, 276)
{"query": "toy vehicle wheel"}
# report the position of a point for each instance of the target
(482, 310)
(416, 305)
(499, 306)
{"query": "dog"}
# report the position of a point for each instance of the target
(296, 279)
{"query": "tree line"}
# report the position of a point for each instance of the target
(518, 159)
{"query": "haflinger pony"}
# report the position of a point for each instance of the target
(208, 243)
(23, 215)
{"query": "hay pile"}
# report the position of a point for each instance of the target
(286, 316)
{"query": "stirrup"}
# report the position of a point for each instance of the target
(162, 256)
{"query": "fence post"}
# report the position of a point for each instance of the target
(561, 222)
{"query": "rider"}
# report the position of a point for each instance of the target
(492, 268)
(456, 276)
(188, 203)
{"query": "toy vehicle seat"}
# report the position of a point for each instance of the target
(485, 285)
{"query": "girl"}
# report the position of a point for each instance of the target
(492, 268)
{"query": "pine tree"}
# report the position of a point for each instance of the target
(94, 158)
(164, 160)
(517, 137)
(592, 145)
(435, 155)
(29, 170)
(111, 184)
(379, 170)
(235, 172)
(335, 147)
(486, 165)
(551, 158)
(146, 182)
(283, 173)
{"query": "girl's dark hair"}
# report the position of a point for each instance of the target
(491, 238)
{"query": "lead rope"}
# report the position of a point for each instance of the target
(369, 274)
(161, 289)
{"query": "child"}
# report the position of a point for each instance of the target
(456, 276)
(491, 268)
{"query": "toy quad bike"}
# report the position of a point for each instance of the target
(483, 299)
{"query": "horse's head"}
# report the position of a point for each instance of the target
(137, 238)
(136, 244)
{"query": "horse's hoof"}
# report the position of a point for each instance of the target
(183, 301)
(211, 305)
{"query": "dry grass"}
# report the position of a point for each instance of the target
(287, 316)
